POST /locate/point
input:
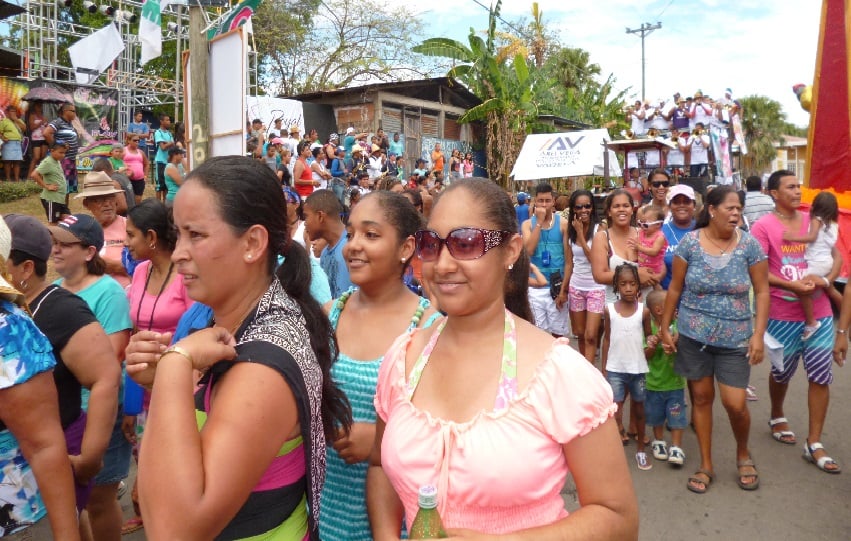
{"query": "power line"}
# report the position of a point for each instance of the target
(658, 17)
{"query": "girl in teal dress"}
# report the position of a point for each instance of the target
(367, 319)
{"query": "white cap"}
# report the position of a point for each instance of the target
(350, 130)
(680, 189)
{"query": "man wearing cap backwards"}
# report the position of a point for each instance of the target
(51, 178)
(99, 198)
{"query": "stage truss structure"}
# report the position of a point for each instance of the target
(45, 21)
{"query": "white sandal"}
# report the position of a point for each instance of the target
(780, 434)
(821, 463)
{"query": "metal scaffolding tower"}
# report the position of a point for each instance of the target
(46, 21)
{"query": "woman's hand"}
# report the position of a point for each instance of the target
(646, 277)
(840, 348)
(561, 300)
(756, 349)
(668, 344)
(143, 353)
(356, 446)
(209, 346)
(128, 428)
(84, 468)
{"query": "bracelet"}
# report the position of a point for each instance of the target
(826, 281)
(841, 331)
(180, 351)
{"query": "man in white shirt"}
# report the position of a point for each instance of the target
(700, 111)
(699, 142)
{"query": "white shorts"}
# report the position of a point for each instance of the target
(547, 316)
(820, 267)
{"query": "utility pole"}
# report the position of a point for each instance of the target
(645, 30)
(198, 51)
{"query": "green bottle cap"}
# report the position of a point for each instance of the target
(427, 498)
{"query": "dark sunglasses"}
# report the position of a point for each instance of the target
(647, 225)
(134, 140)
(583, 207)
(660, 183)
(464, 243)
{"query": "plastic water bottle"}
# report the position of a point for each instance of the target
(427, 523)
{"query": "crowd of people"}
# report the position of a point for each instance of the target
(288, 352)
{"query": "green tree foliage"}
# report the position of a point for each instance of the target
(764, 123)
(504, 85)
(322, 45)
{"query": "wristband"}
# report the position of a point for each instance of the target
(180, 351)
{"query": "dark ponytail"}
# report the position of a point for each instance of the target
(248, 193)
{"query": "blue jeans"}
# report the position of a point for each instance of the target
(621, 383)
(666, 405)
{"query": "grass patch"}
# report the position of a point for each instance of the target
(13, 191)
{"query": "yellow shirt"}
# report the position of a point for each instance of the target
(10, 131)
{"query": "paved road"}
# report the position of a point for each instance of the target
(795, 501)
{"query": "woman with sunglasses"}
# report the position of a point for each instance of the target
(367, 318)
(587, 298)
(464, 404)
(659, 181)
(137, 166)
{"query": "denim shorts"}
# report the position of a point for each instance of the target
(622, 383)
(116, 460)
(670, 406)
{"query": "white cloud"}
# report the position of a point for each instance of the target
(751, 46)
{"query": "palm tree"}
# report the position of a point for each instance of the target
(764, 124)
(504, 87)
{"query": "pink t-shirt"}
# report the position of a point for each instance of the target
(113, 245)
(786, 260)
(654, 263)
(171, 305)
(501, 471)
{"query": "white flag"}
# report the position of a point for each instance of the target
(95, 53)
(150, 29)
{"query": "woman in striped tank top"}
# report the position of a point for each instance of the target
(367, 319)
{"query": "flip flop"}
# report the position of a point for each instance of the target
(624, 438)
(132, 525)
(695, 479)
(783, 436)
(748, 463)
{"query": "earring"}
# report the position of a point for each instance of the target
(152, 246)
(23, 284)
(712, 216)
(403, 260)
(248, 257)
(510, 266)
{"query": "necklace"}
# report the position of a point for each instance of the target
(156, 299)
(735, 239)
(784, 216)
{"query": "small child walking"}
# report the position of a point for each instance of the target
(821, 238)
(666, 398)
(627, 324)
(651, 244)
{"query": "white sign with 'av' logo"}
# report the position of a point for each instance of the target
(554, 155)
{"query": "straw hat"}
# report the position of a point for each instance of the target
(97, 183)
(7, 291)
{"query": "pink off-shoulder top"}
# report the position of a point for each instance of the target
(503, 470)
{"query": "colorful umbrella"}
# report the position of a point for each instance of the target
(46, 93)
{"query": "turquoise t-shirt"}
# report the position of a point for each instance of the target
(170, 184)
(108, 302)
(24, 353)
(162, 136)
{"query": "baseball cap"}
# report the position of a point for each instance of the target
(277, 141)
(80, 228)
(680, 189)
(29, 235)
(522, 197)
(350, 130)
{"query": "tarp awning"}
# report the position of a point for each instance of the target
(556, 155)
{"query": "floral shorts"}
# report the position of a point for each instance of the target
(593, 301)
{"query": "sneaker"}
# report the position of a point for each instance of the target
(750, 393)
(676, 456)
(810, 330)
(641, 460)
(660, 450)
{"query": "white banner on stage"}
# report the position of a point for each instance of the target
(556, 155)
(267, 109)
(94, 53)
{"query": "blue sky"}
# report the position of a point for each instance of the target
(752, 46)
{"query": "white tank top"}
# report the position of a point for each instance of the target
(626, 342)
(582, 278)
